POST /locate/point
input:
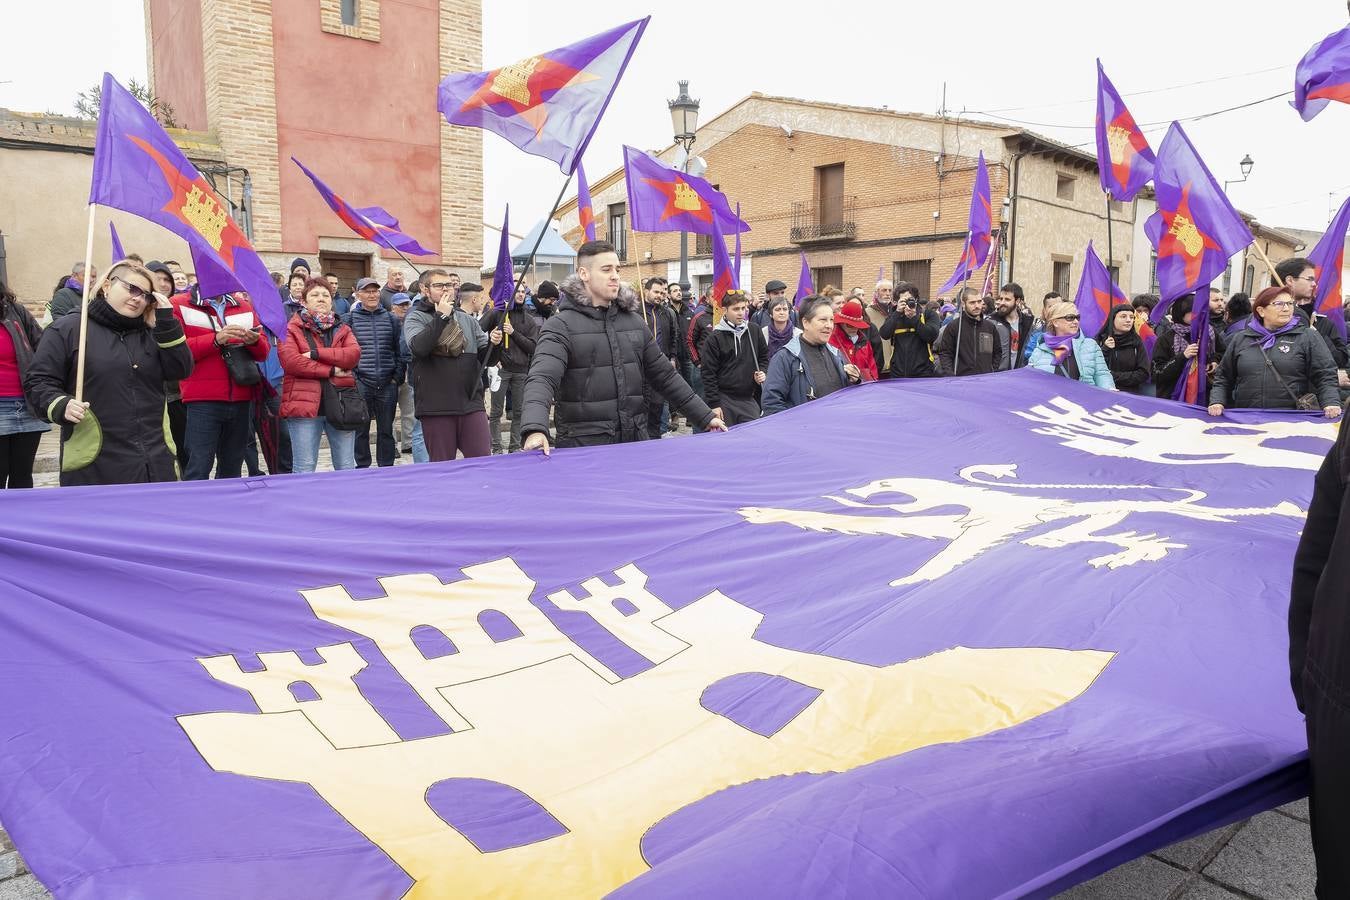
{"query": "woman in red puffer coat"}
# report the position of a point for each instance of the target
(850, 339)
(317, 348)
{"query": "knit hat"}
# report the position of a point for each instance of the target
(547, 290)
(851, 314)
(301, 261)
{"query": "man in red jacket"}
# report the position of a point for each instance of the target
(219, 405)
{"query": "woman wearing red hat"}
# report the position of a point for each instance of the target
(850, 339)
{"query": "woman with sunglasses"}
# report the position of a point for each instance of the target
(1064, 351)
(1276, 362)
(119, 434)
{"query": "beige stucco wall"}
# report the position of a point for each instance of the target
(44, 217)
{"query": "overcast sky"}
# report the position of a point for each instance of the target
(1032, 61)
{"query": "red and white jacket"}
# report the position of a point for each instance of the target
(210, 379)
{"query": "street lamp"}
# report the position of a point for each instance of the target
(1246, 168)
(684, 120)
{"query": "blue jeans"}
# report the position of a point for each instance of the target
(694, 376)
(381, 402)
(419, 444)
(305, 434)
(216, 435)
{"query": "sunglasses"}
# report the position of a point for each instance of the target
(1070, 318)
(137, 292)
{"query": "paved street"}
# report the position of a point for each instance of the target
(1268, 857)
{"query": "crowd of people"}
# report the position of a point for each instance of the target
(180, 385)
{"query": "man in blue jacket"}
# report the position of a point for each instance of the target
(380, 371)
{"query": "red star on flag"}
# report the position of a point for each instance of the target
(522, 86)
(1173, 240)
(671, 189)
(194, 204)
(1125, 122)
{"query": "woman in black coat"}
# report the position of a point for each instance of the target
(1124, 350)
(119, 434)
(1276, 360)
(1319, 662)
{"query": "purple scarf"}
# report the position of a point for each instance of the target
(1266, 335)
(1061, 346)
(74, 285)
(778, 340)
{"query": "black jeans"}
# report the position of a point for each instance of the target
(217, 433)
(381, 400)
(17, 452)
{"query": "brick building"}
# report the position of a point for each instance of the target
(343, 86)
(862, 189)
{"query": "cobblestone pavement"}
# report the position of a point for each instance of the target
(1268, 857)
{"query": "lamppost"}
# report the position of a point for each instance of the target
(684, 119)
(1246, 167)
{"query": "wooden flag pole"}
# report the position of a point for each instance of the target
(1274, 277)
(84, 310)
(1110, 251)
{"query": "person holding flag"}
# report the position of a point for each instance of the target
(594, 358)
(735, 360)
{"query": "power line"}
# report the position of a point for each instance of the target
(1161, 90)
(1195, 118)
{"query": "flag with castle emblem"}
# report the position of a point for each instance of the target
(585, 209)
(372, 222)
(548, 104)
(1195, 230)
(1017, 684)
(979, 233)
(140, 170)
(1125, 161)
(1097, 293)
(1329, 259)
(1323, 75)
(662, 198)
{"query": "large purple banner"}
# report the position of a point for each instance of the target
(905, 641)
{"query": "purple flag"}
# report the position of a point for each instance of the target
(1323, 75)
(1125, 161)
(139, 169)
(117, 251)
(724, 272)
(372, 222)
(548, 104)
(1097, 293)
(585, 209)
(738, 248)
(1193, 385)
(980, 232)
(630, 713)
(504, 278)
(662, 198)
(1195, 230)
(1329, 259)
(804, 286)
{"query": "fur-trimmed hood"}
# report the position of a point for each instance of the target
(573, 289)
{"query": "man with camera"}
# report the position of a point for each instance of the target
(910, 331)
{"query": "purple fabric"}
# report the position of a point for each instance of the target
(1190, 723)
(979, 229)
(585, 209)
(504, 277)
(548, 104)
(738, 248)
(1125, 161)
(1194, 374)
(1195, 230)
(779, 339)
(1323, 75)
(1061, 346)
(1267, 336)
(662, 198)
(117, 251)
(804, 286)
(74, 284)
(1097, 293)
(373, 223)
(139, 169)
(1328, 257)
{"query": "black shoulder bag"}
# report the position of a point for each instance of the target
(239, 363)
(343, 407)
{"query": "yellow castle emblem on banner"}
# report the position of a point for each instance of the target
(603, 757)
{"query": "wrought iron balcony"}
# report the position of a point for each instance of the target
(826, 219)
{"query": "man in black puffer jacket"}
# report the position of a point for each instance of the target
(595, 356)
